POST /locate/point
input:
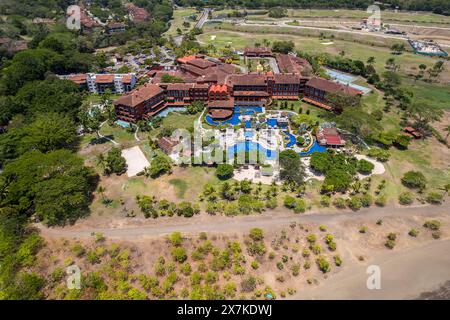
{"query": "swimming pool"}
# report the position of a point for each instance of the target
(272, 122)
(164, 113)
(248, 124)
(234, 120)
(123, 124)
(249, 146)
(292, 139)
(314, 148)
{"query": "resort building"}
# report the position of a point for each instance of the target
(141, 103)
(223, 89)
(116, 27)
(167, 145)
(329, 137)
(258, 52)
(99, 83)
(317, 89)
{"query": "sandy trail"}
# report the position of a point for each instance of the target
(404, 275)
(223, 224)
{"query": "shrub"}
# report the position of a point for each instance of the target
(256, 234)
(363, 229)
(413, 232)
(392, 236)
(322, 228)
(379, 154)
(354, 203)
(176, 239)
(316, 249)
(323, 264)
(179, 254)
(290, 202)
(311, 238)
(295, 270)
(307, 265)
(339, 203)
(325, 201)
(366, 200)
(78, 250)
(306, 253)
(434, 198)
(300, 206)
(255, 265)
(436, 234)
(224, 171)
(414, 180)
(280, 265)
(337, 260)
(185, 209)
(381, 200)
(365, 167)
(432, 224)
(406, 198)
(390, 244)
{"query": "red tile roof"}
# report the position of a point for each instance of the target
(221, 104)
(104, 78)
(257, 50)
(201, 63)
(186, 59)
(218, 88)
(126, 78)
(220, 113)
(139, 95)
(78, 78)
(332, 87)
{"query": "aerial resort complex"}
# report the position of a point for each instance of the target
(224, 150)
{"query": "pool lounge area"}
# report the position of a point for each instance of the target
(249, 146)
(292, 140)
(234, 120)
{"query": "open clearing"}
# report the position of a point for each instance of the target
(136, 160)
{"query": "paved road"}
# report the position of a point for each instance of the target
(203, 18)
(241, 223)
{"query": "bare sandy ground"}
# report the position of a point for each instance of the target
(404, 275)
(136, 160)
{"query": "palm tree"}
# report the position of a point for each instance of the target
(101, 190)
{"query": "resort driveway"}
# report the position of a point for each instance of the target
(136, 160)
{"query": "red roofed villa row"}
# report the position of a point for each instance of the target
(329, 137)
(258, 52)
(218, 84)
(99, 83)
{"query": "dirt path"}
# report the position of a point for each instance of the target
(404, 275)
(222, 224)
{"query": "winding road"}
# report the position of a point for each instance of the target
(223, 224)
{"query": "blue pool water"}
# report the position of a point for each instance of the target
(234, 120)
(248, 124)
(292, 139)
(168, 110)
(272, 123)
(123, 124)
(248, 134)
(315, 148)
(248, 146)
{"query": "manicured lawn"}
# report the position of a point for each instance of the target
(178, 19)
(180, 187)
(404, 17)
(118, 134)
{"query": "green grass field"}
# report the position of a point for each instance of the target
(387, 16)
(178, 18)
